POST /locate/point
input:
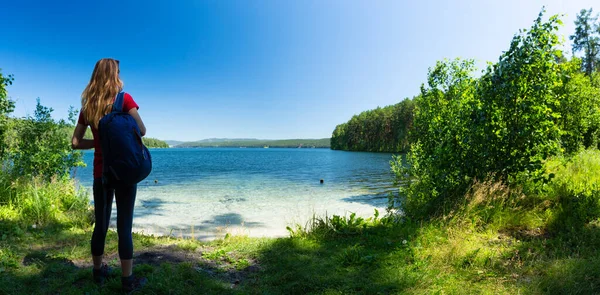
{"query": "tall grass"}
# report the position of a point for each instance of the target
(575, 190)
(36, 202)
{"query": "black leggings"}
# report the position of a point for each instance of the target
(103, 197)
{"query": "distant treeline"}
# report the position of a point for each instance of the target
(148, 141)
(379, 130)
(287, 143)
(154, 143)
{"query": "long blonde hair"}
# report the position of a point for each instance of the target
(100, 92)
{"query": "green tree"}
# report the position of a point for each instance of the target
(501, 125)
(520, 99)
(6, 107)
(587, 39)
(379, 130)
(339, 138)
(579, 109)
(154, 143)
(442, 154)
(43, 147)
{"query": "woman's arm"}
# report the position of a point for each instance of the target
(136, 115)
(77, 142)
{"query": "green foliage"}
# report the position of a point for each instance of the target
(36, 159)
(336, 225)
(380, 130)
(353, 255)
(6, 107)
(576, 190)
(566, 206)
(37, 145)
(502, 125)
(587, 39)
(39, 202)
(42, 147)
(517, 120)
(154, 143)
(579, 109)
(442, 156)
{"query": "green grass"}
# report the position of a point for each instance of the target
(502, 241)
(382, 259)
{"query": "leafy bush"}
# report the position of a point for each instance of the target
(36, 158)
(500, 126)
(579, 109)
(6, 107)
(337, 225)
(41, 147)
(442, 156)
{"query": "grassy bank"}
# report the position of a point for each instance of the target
(533, 239)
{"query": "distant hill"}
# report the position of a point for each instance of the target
(259, 143)
(209, 140)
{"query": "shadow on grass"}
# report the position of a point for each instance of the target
(564, 262)
(371, 262)
(376, 261)
(55, 260)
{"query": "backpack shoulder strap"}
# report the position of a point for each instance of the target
(119, 101)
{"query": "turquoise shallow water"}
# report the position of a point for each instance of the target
(208, 192)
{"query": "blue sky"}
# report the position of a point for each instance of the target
(252, 69)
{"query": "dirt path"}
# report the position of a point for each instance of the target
(220, 268)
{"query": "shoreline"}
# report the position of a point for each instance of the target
(233, 224)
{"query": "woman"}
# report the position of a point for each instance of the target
(96, 101)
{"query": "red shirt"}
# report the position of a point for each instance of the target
(128, 104)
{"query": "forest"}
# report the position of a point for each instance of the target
(384, 129)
